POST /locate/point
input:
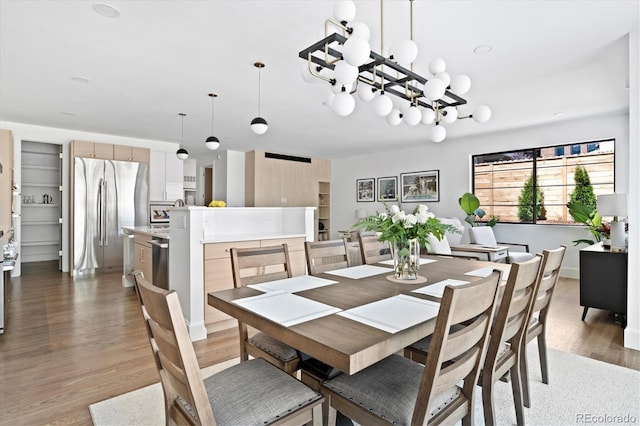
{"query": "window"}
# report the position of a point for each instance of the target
(534, 185)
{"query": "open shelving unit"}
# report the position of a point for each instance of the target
(41, 194)
(323, 224)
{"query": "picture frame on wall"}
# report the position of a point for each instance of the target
(419, 187)
(388, 188)
(365, 190)
(159, 213)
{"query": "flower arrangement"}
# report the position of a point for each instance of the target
(217, 203)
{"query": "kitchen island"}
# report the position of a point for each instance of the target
(199, 259)
(138, 249)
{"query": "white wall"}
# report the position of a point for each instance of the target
(228, 171)
(63, 137)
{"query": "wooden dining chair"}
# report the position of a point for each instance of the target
(275, 397)
(551, 263)
(256, 265)
(326, 255)
(507, 334)
(397, 390)
(373, 250)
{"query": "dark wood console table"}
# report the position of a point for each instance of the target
(603, 280)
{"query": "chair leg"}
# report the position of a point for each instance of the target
(517, 394)
(488, 405)
(524, 375)
(332, 413)
(542, 351)
(317, 415)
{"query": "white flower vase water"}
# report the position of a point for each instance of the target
(406, 259)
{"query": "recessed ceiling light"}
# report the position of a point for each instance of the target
(68, 113)
(482, 49)
(558, 114)
(80, 79)
(107, 10)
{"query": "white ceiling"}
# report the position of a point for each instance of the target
(160, 58)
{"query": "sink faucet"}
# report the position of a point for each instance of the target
(179, 203)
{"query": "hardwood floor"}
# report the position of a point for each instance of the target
(72, 342)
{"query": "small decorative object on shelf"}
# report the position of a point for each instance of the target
(406, 232)
(217, 203)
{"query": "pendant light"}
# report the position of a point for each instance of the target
(259, 125)
(182, 153)
(212, 142)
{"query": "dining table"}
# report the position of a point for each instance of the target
(351, 318)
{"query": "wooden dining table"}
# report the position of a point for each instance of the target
(341, 342)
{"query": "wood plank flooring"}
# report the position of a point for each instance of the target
(72, 342)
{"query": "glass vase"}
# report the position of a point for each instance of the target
(406, 259)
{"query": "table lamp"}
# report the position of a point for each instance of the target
(614, 205)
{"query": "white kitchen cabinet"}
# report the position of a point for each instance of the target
(166, 177)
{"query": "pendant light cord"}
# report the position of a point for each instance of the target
(212, 115)
(259, 90)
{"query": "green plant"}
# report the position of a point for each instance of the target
(583, 192)
(395, 225)
(588, 215)
(525, 202)
(471, 206)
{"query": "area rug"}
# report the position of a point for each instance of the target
(581, 391)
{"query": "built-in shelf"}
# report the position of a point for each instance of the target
(39, 243)
(39, 205)
(42, 185)
(31, 151)
(36, 167)
(40, 222)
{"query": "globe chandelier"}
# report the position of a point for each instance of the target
(345, 60)
(182, 153)
(212, 142)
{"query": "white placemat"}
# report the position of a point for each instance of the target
(293, 285)
(487, 270)
(360, 271)
(286, 308)
(394, 313)
(423, 261)
(437, 289)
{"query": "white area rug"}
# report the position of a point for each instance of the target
(581, 391)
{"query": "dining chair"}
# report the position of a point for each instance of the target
(373, 250)
(484, 235)
(221, 399)
(398, 390)
(326, 255)
(507, 334)
(551, 263)
(254, 265)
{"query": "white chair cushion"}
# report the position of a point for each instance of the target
(439, 246)
(482, 235)
(454, 238)
(519, 256)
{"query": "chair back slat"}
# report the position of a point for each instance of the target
(326, 255)
(468, 306)
(256, 265)
(373, 250)
(179, 370)
(551, 271)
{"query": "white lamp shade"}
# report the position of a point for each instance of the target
(212, 143)
(344, 10)
(434, 88)
(306, 74)
(395, 117)
(343, 104)
(345, 73)
(328, 100)
(182, 154)
(337, 88)
(438, 133)
(482, 114)
(259, 125)
(461, 84)
(360, 29)
(366, 92)
(405, 52)
(428, 116)
(383, 105)
(437, 65)
(445, 77)
(612, 205)
(450, 114)
(356, 51)
(412, 116)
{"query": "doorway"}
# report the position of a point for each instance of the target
(208, 185)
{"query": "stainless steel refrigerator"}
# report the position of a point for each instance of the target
(107, 195)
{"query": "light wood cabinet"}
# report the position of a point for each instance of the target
(143, 256)
(131, 153)
(6, 180)
(91, 150)
(218, 274)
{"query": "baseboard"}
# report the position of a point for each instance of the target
(632, 338)
(197, 331)
(570, 273)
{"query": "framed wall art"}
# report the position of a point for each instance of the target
(388, 188)
(159, 213)
(418, 187)
(365, 190)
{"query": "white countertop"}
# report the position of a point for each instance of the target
(153, 231)
(249, 237)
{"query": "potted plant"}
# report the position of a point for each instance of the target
(589, 216)
(471, 206)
